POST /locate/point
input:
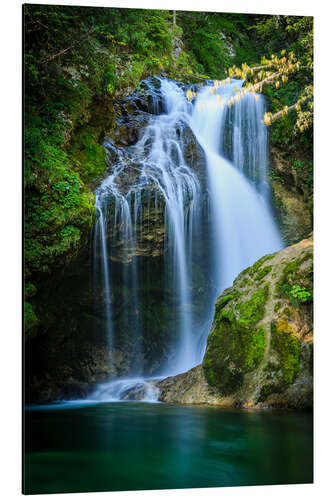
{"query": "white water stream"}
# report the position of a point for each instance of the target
(243, 226)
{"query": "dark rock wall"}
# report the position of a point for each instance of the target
(70, 351)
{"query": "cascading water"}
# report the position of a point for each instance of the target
(240, 220)
(244, 227)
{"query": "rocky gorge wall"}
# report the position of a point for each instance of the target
(67, 351)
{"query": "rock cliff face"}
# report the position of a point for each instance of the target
(260, 349)
(292, 197)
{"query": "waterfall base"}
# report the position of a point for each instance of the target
(133, 389)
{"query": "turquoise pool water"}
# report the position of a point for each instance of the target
(133, 445)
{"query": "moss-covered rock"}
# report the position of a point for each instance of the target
(236, 345)
(260, 349)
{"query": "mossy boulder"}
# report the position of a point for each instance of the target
(262, 324)
(260, 349)
(236, 345)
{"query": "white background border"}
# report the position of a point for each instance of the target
(10, 256)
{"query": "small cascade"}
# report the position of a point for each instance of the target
(220, 225)
(132, 389)
(102, 266)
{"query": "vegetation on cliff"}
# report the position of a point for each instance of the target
(285, 75)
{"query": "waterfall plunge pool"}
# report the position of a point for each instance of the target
(138, 446)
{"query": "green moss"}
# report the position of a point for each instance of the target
(244, 283)
(288, 348)
(59, 210)
(252, 311)
(277, 306)
(244, 272)
(287, 312)
(236, 346)
(87, 154)
(271, 368)
(255, 268)
(30, 319)
(268, 389)
(30, 290)
(225, 300)
(262, 273)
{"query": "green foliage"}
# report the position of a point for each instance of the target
(300, 294)
(208, 50)
(224, 300)
(110, 78)
(55, 197)
(288, 346)
(87, 154)
(286, 33)
(304, 172)
(296, 283)
(268, 389)
(217, 40)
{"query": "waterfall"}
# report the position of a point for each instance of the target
(151, 176)
(244, 229)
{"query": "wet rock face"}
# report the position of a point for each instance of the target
(129, 128)
(194, 155)
(291, 199)
(136, 110)
(260, 349)
(294, 216)
(149, 229)
(134, 114)
(71, 353)
(147, 98)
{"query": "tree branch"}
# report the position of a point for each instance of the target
(63, 51)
